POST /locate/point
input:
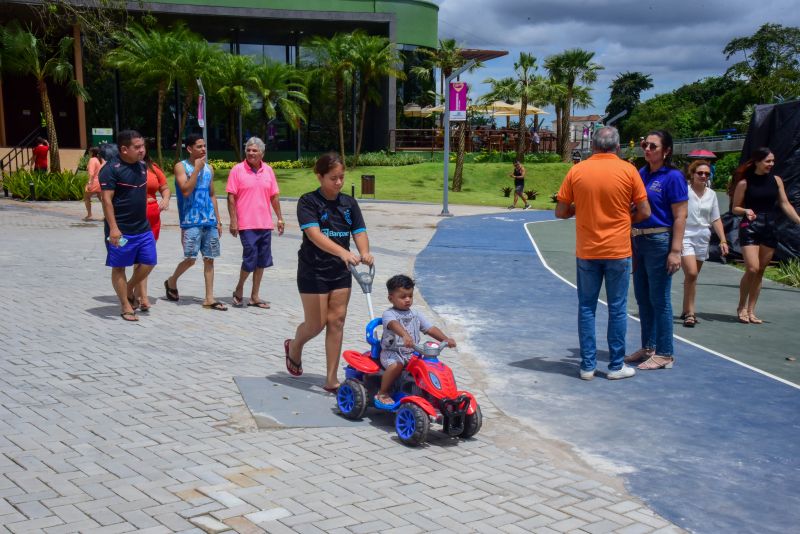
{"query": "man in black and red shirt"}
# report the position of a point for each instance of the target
(129, 241)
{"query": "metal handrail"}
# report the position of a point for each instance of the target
(22, 150)
(709, 138)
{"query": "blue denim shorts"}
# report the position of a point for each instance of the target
(140, 248)
(200, 239)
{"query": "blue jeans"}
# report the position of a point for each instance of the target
(652, 285)
(590, 277)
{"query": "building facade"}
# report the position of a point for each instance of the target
(268, 28)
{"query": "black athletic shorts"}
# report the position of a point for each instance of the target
(759, 231)
(319, 286)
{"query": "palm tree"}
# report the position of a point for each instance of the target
(504, 89)
(447, 58)
(280, 87)
(232, 80)
(151, 58)
(27, 55)
(374, 58)
(569, 68)
(335, 62)
(196, 59)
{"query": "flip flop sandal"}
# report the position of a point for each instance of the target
(689, 320)
(260, 304)
(333, 389)
(143, 308)
(129, 316)
(172, 294)
(295, 369)
(216, 306)
(236, 300)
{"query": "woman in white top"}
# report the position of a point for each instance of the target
(703, 214)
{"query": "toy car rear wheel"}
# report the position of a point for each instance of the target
(351, 398)
(412, 424)
(472, 423)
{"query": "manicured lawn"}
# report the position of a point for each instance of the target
(423, 182)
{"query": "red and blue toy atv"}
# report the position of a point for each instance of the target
(426, 391)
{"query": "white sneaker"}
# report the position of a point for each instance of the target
(587, 375)
(625, 372)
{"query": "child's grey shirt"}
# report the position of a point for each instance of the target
(414, 323)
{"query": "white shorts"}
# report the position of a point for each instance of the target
(390, 357)
(696, 245)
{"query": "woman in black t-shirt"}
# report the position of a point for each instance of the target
(327, 219)
(758, 197)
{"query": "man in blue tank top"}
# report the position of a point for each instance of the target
(199, 218)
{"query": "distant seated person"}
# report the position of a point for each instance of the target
(38, 161)
(401, 331)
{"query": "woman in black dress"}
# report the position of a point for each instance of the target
(758, 197)
(327, 219)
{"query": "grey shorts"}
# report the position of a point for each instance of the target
(390, 357)
(200, 240)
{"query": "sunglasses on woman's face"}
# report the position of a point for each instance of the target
(651, 146)
(702, 173)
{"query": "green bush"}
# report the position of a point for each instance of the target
(64, 185)
(367, 159)
(724, 169)
(510, 157)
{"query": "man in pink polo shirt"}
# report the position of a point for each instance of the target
(251, 189)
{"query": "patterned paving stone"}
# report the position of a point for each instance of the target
(107, 426)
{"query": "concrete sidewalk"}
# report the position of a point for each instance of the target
(115, 427)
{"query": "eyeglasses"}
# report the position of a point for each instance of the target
(651, 146)
(702, 173)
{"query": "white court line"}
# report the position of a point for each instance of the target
(690, 342)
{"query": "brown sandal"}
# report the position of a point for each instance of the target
(689, 320)
(656, 362)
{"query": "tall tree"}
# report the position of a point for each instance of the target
(196, 58)
(26, 54)
(334, 59)
(231, 84)
(447, 58)
(374, 58)
(504, 90)
(280, 88)
(570, 68)
(151, 57)
(771, 61)
(626, 91)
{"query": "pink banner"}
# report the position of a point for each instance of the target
(201, 112)
(458, 101)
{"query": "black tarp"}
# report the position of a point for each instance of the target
(778, 127)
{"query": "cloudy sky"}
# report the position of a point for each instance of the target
(674, 41)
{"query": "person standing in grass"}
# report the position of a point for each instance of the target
(199, 218)
(519, 186)
(252, 195)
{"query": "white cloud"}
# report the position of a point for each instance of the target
(676, 42)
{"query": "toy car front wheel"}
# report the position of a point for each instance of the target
(472, 423)
(351, 398)
(411, 424)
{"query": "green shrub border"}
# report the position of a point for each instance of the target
(64, 185)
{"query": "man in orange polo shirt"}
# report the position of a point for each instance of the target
(606, 195)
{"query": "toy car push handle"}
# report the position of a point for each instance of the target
(365, 279)
(430, 349)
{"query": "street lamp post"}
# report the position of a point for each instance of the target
(455, 74)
